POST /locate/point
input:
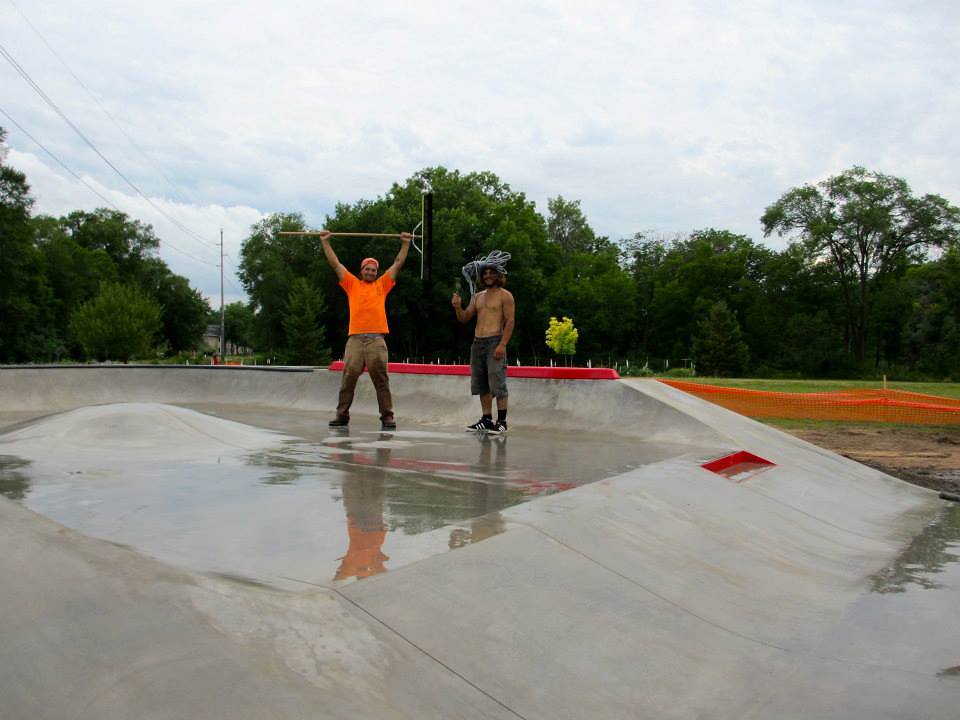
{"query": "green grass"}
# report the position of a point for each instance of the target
(789, 424)
(949, 390)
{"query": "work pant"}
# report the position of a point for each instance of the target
(368, 351)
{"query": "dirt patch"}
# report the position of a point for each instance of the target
(924, 456)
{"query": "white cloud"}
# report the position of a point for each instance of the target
(197, 259)
(658, 117)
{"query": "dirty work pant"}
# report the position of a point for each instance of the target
(370, 351)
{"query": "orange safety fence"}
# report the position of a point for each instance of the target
(893, 406)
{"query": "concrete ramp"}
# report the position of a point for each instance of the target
(812, 587)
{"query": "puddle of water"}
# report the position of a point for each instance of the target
(14, 482)
(327, 508)
(908, 620)
(928, 561)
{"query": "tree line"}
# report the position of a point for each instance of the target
(88, 285)
(869, 281)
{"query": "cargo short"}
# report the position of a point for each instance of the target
(488, 376)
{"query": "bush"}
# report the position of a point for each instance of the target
(118, 324)
(636, 371)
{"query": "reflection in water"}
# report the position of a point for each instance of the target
(275, 512)
(486, 498)
(928, 554)
(363, 499)
(278, 469)
(13, 484)
(419, 494)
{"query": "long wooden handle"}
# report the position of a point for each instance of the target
(345, 234)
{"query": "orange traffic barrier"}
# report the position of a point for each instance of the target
(892, 406)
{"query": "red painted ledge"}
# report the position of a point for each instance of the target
(514, 371)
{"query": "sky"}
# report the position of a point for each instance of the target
(658, 117)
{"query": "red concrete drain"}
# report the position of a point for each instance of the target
(738, 466)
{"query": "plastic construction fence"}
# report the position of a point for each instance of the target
(892, 406)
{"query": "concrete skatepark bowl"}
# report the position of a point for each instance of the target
(193, 542)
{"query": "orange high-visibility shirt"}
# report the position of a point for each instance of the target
(368, 303)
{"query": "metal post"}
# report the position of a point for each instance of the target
(222, 314)
(427, 239)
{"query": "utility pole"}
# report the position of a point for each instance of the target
(427, 240)
(222, 359)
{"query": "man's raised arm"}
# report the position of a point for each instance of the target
(394, 269)
(332, 258)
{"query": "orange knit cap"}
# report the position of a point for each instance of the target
(370, 261)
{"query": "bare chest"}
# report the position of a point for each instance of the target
(489, 304)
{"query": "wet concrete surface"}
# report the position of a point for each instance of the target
(818, 588)
(908, 619)
(314, 507)
(895, 652)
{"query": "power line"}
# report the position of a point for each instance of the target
(62, 164)
(93, 97)
(230, 277)
(89, 186)
(46, 98)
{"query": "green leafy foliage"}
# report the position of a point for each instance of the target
(50, 267)
(301, 324)
(238, 325)
(863, 225)
(562, 336)
(183, 310)
(854, 293)
(120, 323)
(25, 297)
(718, 348)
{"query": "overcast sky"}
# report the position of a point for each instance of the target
(659, 117)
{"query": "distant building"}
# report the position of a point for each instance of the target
(211, 338)
(211, 342)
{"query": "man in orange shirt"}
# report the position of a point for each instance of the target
(366, 346)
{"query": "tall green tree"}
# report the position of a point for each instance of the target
(82, 250)
(269, 263)
(593, 285)
(305, 335)
(795, 323)
(238, 325)
(129, 242)
(718, 347)
(120, 323)
(184, 310)
(474, 213)
(25, 297)
(567, 226)
(930, 341)
(73, 273)
(684, 277)
(864, 224)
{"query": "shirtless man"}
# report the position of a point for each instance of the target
(493, 308)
